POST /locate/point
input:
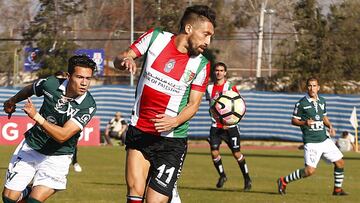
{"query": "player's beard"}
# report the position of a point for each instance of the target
(193, 51)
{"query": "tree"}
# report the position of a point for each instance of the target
(49, 31)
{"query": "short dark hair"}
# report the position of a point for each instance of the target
(311, 79)
(82, 61)
(220, 64)
(197, 12)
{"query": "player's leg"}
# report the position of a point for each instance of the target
(165, 168)
(312, 155)
(40, 193)
(233, 141)
(137, 168)
(19, 173)
(215, 142)
(334, 155)
(50, 177)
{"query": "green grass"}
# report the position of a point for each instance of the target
(102, 179)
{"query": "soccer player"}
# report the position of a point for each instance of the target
(173, 79)
(45, 154)
(219, 132)
(310, 114)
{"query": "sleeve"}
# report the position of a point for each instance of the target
(202, 79)
(84, 115)
(142, 43)
(233, 88)
(38, 87)
(297, 111)
(207, 95)
(325, 112)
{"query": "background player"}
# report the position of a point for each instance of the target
(169, 92)
(45, 154)
(219, 132)
(310, 114)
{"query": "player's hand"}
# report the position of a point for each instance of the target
(126, 63)
(332, 132)
(9, 107)
(164, 122)
(29, 108)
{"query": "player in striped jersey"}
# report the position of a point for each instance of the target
(310, 114)
(173, 79)
(219, 132)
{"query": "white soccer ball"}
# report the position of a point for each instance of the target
(228, 107)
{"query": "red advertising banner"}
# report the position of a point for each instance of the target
(12, 130)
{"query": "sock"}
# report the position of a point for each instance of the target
(338, 177)
(25, 193)
(32, 200)
(134, 199)
(243, 167)
(7, 200)
(297, 174)
(74, 158)
(218, 165)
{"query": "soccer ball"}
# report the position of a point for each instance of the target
(228, 107)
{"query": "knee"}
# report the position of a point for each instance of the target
(215, 154)
(309, 171)
(340, 163)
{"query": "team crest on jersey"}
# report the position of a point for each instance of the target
(322, 106)
(169, 65)
(317, 117)
(63, 106)
(189, 75)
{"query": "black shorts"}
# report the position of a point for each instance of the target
(166, 157)
(231, 136)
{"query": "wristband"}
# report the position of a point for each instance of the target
(39, 119)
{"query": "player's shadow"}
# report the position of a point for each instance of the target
(225, 190)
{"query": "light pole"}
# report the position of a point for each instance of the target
(270, 12)
(131, 35)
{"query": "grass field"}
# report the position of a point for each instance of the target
(102, 179)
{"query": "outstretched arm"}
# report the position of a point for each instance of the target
(10, 104)
(125, 61)
(58, 133)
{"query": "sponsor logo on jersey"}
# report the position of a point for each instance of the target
(169, 65)
(84, 118)
(51, 119)
(317, 117)
(48, 94)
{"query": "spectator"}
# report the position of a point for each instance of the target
(346, 142)
(116, 128)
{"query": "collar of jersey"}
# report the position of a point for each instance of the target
(63, 86)
(310, 99)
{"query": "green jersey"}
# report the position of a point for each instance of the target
(58, 109)
(306, 109)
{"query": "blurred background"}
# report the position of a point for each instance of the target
(267, 44)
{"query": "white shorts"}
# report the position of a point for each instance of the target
(326, 149)
(28, 165)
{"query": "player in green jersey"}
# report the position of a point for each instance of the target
(43, 158)
(310, 114)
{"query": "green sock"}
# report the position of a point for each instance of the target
(7, 200)
(32, 200)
